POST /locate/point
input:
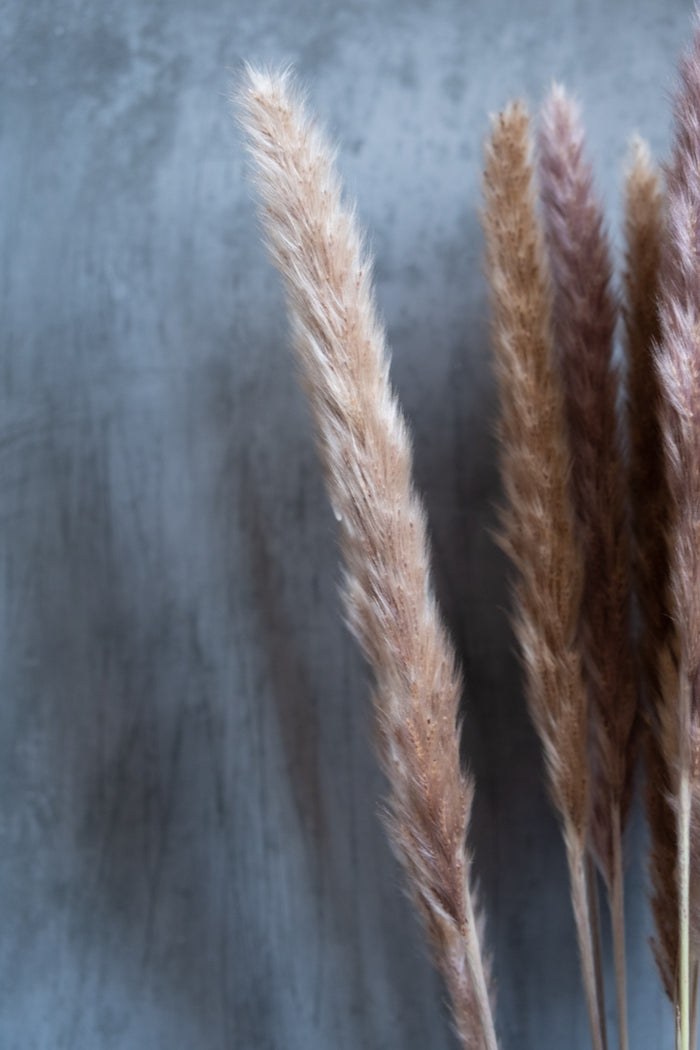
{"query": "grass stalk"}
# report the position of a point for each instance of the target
(684, 911)
(366, 452)
(478, 976)
(584, 927)
(617, 911)
(594, 912)
(694, 971)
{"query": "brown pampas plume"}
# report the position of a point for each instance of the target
(679, 370)
(537, 520)
(648, 489)
(585, 313)
(366, 454)
(650, 503)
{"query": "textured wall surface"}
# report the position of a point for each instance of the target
(190, 851)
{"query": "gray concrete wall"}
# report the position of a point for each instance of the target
(190, 854)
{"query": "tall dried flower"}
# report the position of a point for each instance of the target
(644, 219)
(366, 453)
(679, 370)
(649, 501)
(537, 520)
(585, 312)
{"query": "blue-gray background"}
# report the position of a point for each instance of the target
(190, 854)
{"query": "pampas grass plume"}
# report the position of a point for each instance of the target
(650, 504)
(366, 454)
(537, 520)
(585, 313)
(677, 359)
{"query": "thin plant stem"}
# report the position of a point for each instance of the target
(480, 985)
(683, 910)
(582, 917)
(617, 910)
(594, 909)
(694, 970)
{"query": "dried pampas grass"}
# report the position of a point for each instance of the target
(678, 363)
(366, 454)
(648, 489)
(537, 520)
(585, 315)
(650, 506)
(585, 529)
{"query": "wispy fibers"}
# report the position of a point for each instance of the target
(366, 454)
(679, 371)
(585, 313)
(537, 520)
(650, 505)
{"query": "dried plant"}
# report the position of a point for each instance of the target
(537, 520)
(366, 453)
(648, 490)
(585, 314)
(678, 363)
(583, 528)
(649, 502)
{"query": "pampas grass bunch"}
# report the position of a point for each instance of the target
(600, 517)
(537, 521)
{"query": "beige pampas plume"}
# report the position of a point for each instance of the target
(679, 370)
(585, 313)
(366, 453)
(537, 520)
